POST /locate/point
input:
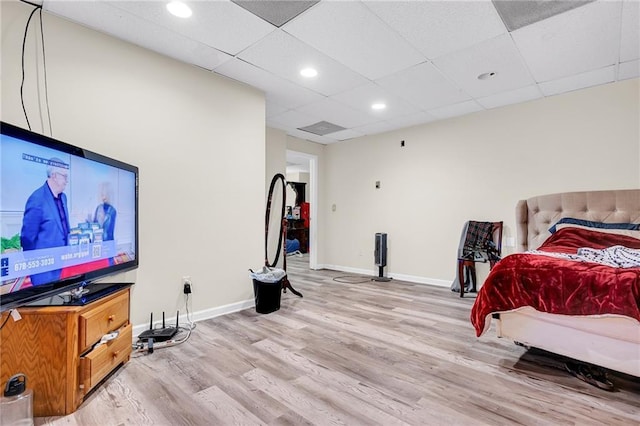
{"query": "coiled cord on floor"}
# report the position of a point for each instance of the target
(352, 279)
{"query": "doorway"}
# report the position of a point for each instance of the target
(301, 166)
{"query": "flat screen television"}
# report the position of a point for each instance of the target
(68, 216)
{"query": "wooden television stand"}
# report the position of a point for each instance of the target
(54, 347)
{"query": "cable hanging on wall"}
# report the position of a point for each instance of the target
(44, 74)
(37, 8)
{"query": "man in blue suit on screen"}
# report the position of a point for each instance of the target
(46, 217)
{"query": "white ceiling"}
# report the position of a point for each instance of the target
(421, 58)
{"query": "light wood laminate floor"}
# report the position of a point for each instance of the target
(369, 353)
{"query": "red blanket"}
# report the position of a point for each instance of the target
(561, 286)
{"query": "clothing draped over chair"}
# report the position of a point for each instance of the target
(479, 242)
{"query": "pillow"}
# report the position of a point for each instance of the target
(592, 224)
(627, 232)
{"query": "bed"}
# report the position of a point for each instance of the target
(597, 320)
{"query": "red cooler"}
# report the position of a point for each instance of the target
(304, 213)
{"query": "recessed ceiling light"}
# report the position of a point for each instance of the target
(308, 72)
(486, 75)
(378, 106)
(179, 9)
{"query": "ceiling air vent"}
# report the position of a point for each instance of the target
(322, 128)
(276, 12)
(518, 14)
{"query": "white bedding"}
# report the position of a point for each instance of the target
(615, 256)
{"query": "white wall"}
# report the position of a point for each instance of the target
(185, 128)
(276, 142)
(300, 177)
(276, 163)
(297, 177)
(474, 167)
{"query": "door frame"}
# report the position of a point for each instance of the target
(313, 208)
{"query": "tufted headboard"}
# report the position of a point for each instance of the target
(535, 216)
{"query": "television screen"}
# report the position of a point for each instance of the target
(67, 216)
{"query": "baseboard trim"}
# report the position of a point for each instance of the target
(199, 315)
(403, 277)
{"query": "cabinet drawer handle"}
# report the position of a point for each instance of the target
(115, 354)
(112, 318)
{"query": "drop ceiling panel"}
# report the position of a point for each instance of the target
(234, 27)
(108, 19)
(277, 89)
(497, 55)
(576, 41)
(423, 57)
(424, 86)
(630, 42)
(343, 135)
(374, 128)
(293, 96)
(363, 97)
(310, 136)
(412, 120)
(580, 81)
(189, 51)
(273, 109)
(434, 27)
(456, 110)
(284, 55)
(294, 118)
(522, 94)
(337, 113)
(350, 33)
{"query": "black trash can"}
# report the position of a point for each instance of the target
(267, 296)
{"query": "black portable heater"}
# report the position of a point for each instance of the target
(380, 256)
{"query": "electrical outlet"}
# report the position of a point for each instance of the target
(186, 284)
